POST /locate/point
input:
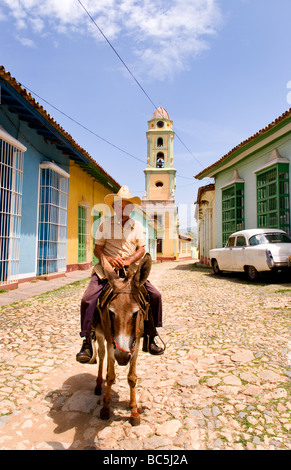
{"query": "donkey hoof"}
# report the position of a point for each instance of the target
(135, 419)
(98, 391)
(104, 413)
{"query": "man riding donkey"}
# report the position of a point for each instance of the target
(120, 239)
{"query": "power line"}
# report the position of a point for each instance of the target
(115, 51)
(84, 127)
(132, 75)
(89, 130)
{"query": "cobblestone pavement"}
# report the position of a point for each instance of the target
(223, 382)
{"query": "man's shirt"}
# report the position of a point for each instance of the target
(118, 241)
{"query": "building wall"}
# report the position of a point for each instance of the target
(149, 231)
(160, 193)
(83, 190)
(206, 221)
(37, 151)
(170, 239)
(185, 249)
(246, 170)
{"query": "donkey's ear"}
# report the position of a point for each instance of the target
(143, 271)
(108, 269)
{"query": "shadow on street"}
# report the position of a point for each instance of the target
(280, 278)
(76, 407)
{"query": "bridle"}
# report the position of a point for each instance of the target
(114, 342)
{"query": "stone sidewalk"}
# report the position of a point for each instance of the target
(223, 382)
(30, 289)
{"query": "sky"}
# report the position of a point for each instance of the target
(221, 69)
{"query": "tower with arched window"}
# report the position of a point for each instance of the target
(160, 183)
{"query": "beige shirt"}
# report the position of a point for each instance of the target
(118, 241)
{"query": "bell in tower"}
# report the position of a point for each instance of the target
(160, 183)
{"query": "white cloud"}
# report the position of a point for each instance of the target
(163, 35)
(25, 41)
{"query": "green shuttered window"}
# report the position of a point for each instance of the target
(232, 210)
(83, 235)
(273, 208)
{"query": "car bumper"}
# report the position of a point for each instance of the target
(282, 264)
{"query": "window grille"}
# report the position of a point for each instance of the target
(11, 177)
(232, 210)
(83, 233)
(52, 225)
(273, 208)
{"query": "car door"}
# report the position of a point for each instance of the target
(225, 263)
(239, 253)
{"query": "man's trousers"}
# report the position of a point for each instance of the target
(92, 293)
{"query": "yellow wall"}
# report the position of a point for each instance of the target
(169, 235)
(160, 193)
(83, 189)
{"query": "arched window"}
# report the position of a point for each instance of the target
(160, 160)
(160, 142)
(159, 184)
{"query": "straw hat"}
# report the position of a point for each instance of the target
(122, 195)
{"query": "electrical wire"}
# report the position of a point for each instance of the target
(84, 127)
(115, 52)
(89, 130)
(132, 75)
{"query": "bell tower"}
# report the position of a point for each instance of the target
(160, 183)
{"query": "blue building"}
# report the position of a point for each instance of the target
(35, 156)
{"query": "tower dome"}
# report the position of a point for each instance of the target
(160, 113)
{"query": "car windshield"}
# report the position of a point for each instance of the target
(263, 238)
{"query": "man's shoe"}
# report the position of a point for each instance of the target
(154, 349)
(86, 352)
(150, 346)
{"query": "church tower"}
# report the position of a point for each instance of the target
(160, 183)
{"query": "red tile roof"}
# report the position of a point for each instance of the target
(160, 113)
(5, 75)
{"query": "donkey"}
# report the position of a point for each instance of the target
(120, 321)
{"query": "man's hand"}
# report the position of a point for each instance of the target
(117, 263)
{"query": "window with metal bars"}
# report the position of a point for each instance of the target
(232, 210)
(11, 176)
(83, 233)
(273, 207)
(52, 226)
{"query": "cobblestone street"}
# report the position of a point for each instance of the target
(223, 382)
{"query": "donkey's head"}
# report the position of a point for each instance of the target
(126, 318)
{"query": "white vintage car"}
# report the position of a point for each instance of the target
(253, 251)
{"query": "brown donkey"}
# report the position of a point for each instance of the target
(120, 321)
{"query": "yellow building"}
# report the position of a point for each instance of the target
(89, 184)
(160, 184)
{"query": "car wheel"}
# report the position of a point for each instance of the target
(252, 273)
(215, 267)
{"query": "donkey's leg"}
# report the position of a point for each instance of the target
(110, 379)
(101, 355)
(132, 378)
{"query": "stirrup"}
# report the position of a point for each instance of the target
(92, 338)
